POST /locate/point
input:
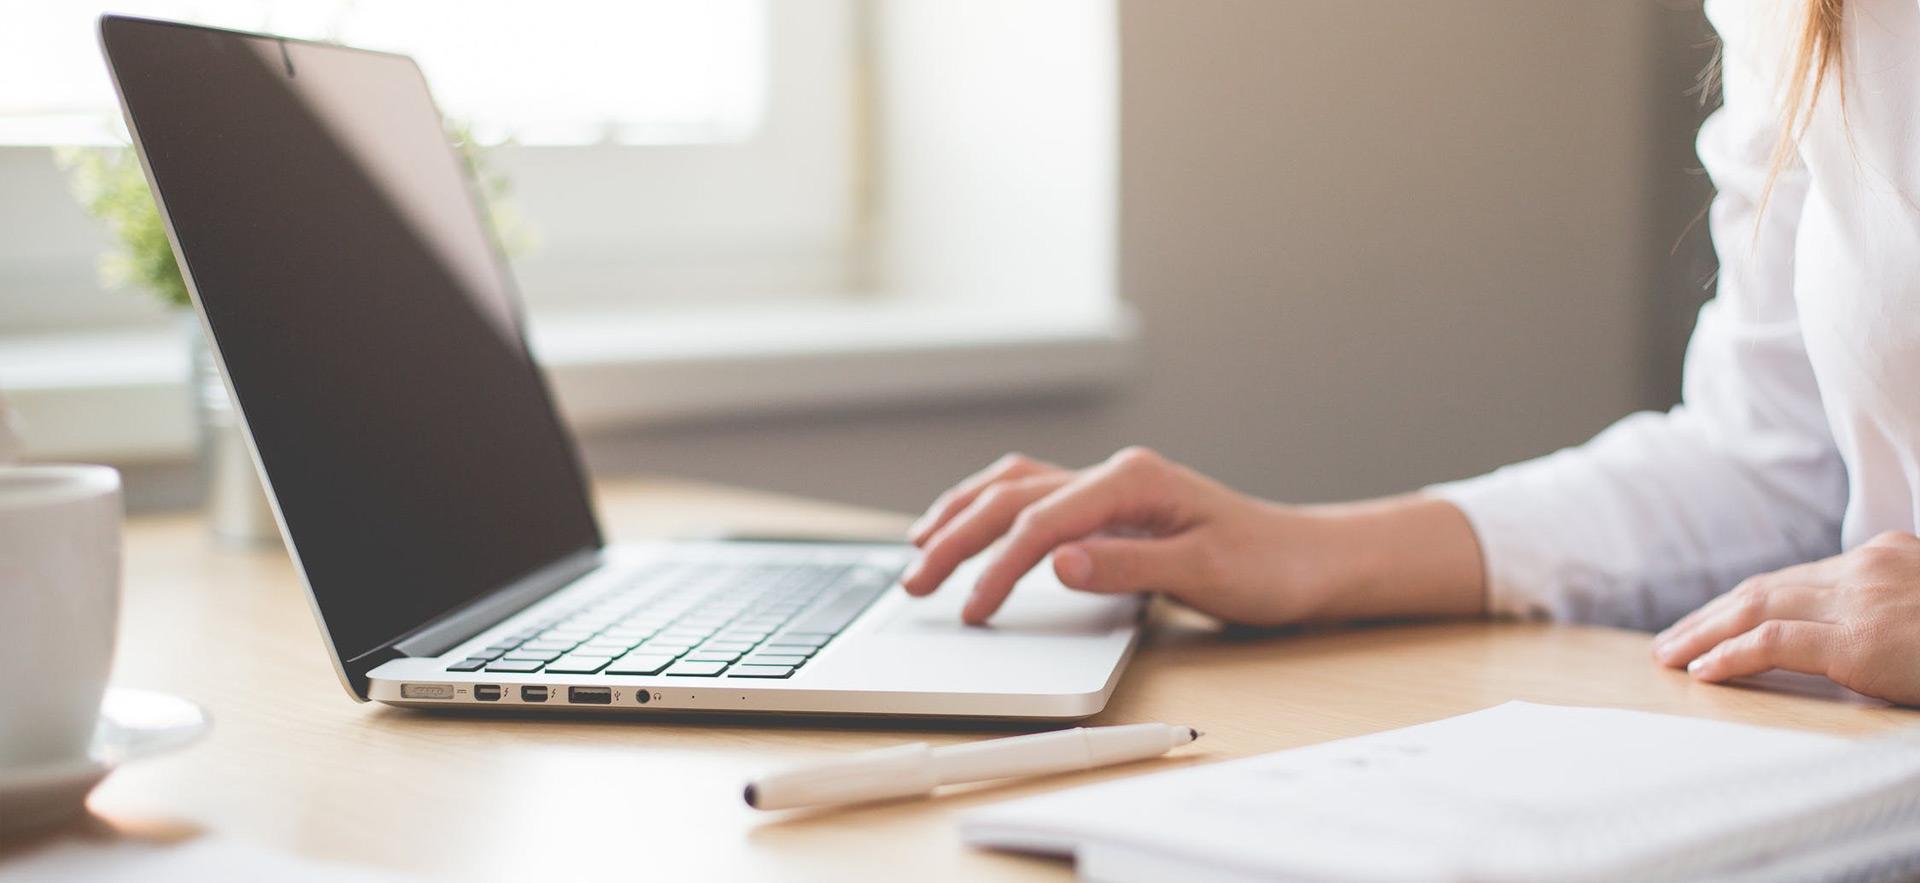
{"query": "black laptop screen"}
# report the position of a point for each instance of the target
(368, 328)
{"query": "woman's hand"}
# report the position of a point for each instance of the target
(1854, 618)
(1139, 522)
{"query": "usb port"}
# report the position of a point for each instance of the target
(533, 694)
(426, 691)
(590, 695)
(487, 692)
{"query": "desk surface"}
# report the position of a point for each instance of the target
(294, 763)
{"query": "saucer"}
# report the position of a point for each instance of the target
(133, 724)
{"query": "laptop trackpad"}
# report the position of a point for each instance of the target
(1039, 606)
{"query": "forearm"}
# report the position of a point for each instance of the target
(1410, 556)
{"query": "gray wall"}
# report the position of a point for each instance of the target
(1681, 259)
(1374, 245)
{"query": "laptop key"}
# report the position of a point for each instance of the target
(760, 671)
(714, 655)
(516, 666)
(870, 577)
(578, 664)
(792, 641)
(696, 669)
(734, 646)
(786, 659)
(547, 644)
(789, 649)
(607, 646)
(474, 664)
(639, 664)
(539, 655)
(833, 616)
(829, 619)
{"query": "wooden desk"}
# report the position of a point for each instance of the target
(293, 762)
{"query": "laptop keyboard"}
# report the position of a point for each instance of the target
(702, 619)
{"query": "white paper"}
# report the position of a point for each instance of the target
(1446, 800)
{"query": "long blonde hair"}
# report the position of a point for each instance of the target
(1817, 53)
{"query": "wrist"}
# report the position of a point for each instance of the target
(1410, 556)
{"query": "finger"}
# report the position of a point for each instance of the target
(960, 496)
(1822, 573)
(1741, 611)
(1116, 565)
(975, 528)
(1089, 502)
(1808, 647)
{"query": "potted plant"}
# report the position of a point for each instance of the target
(110, 184)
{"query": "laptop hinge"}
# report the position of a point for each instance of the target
(448, 631)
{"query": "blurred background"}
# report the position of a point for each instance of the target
(855, 249)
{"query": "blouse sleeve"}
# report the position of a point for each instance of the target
(1661, 512)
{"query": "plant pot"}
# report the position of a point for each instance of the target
(236, 504)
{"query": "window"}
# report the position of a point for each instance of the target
(740, 206)
(593, 71)
(659, 152)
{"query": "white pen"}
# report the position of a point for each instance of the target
(918, 768)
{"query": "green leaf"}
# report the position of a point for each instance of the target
(110, 185)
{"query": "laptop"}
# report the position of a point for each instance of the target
(433, 501)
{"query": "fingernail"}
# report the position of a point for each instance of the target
(910, 579)
(916, 529)
(973, 613)
(1694, 667)
(1074, 567)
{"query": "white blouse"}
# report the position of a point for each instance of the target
(1799, 432)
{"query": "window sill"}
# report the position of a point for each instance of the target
(122, 396)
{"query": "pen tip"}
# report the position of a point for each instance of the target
(1192, 734)
(753, 797)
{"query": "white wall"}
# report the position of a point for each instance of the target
(996, 158)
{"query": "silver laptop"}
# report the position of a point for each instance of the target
(432, 499)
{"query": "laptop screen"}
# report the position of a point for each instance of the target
(369, 329)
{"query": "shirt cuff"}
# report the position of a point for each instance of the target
(1519, 568)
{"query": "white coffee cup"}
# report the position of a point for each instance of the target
(59, 606)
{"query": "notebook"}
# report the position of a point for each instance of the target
(1518, 792)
